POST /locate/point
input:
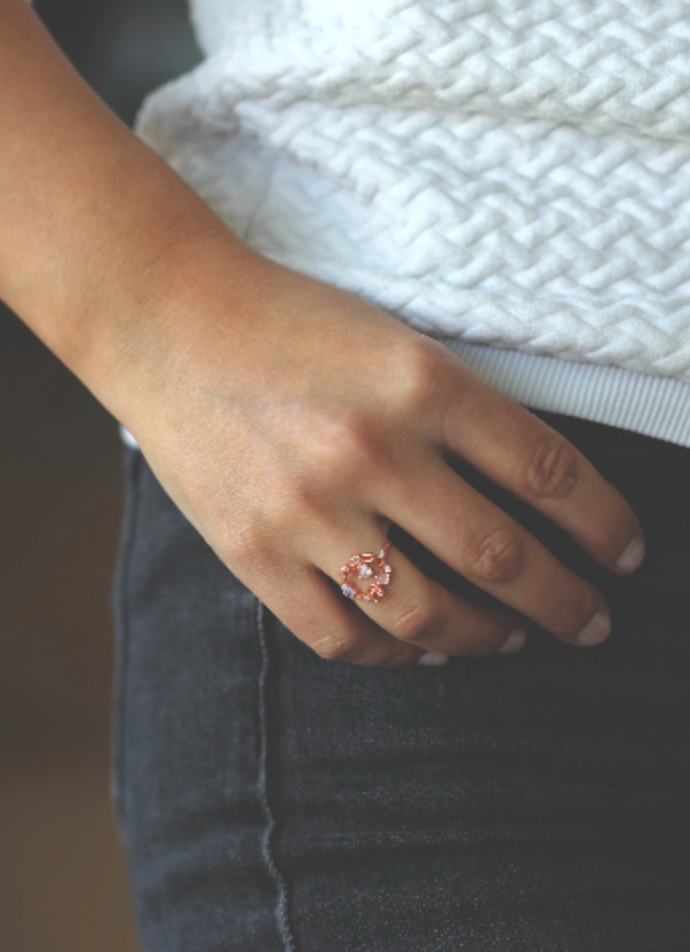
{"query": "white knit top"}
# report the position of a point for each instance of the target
(511, 177)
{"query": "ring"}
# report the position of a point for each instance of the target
(366, 565)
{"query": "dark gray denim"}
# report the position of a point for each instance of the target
(539, 802)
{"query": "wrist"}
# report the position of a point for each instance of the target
(145, 335)
(92, 218)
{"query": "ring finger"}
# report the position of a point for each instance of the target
(418, 611)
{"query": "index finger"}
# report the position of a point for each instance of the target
(530, 459)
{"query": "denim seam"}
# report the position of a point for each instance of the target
(267, 842)
(122, 624)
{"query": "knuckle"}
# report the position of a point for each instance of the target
(339, 449)
(413, 622)
(572, 613)
(410, 389)
(553, 471)
(280, 517)
(336, 646)
(246, 545)
(499, 557)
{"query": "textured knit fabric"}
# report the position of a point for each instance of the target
(272, 801)
(512, 173)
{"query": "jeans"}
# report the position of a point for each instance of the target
(272, 801)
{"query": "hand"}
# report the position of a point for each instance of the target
(294, 432)
(290, 422)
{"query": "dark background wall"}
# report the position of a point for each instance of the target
(63, 884)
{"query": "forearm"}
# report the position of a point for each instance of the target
(94, 225)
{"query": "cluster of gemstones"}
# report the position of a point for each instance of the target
(369, 568)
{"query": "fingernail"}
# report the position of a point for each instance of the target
(514, 641)
(632, 556)
(595, 630)
(433, 659)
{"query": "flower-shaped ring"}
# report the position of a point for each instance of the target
(367, 568)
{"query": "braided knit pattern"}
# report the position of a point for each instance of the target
(508, 172)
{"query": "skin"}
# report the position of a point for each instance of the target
(290, 421)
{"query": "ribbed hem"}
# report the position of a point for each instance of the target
(654, 406)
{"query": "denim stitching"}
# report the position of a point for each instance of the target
(121, 612)
(267, 848)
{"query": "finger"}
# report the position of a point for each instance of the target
(481, 542)
(418, 611)
(530, 459)
(317, 613)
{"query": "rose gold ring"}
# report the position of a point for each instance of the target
(362, 567)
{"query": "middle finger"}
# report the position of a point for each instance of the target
(492, 550)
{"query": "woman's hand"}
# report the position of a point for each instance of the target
(292, 423)
(289, 421)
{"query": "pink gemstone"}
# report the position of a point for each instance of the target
(365, 571)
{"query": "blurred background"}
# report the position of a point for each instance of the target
(63, 885)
